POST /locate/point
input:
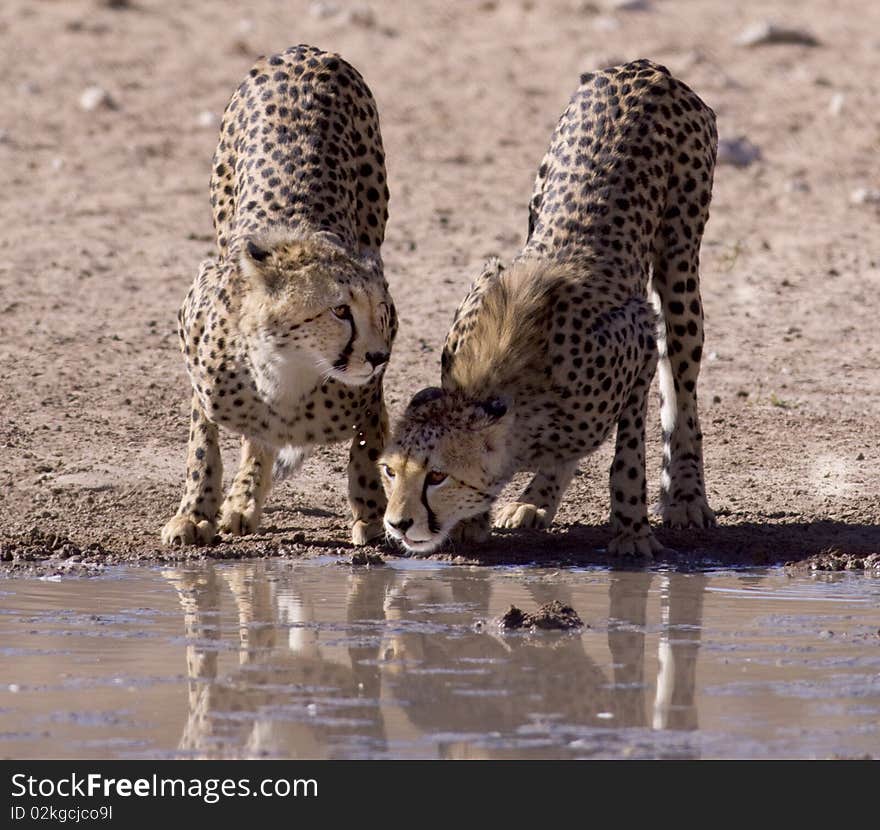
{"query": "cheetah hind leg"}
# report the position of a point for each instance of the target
(683, 500)
(676, 290)
(243, 508)
(537, 505)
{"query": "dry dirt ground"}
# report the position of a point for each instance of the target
(105, 216)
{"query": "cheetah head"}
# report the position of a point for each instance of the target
(319, 304)
(446, 462)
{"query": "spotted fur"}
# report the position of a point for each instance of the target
(287, 333)
(546, 358)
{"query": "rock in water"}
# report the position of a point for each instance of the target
(554, 616)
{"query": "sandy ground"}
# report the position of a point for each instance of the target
(105, 216)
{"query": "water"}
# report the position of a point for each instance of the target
(313, 660)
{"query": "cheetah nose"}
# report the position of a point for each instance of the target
(403, 525)
(376, 359)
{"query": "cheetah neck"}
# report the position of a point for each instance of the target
(284, 377)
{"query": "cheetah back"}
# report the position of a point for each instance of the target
(300, 146)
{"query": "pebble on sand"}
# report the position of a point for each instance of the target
(865, 196)
(630, 5)
(321, 9)
(766, 33)
(206, 119)
(96, 97)
(361, 16)
(739, 151)
(835, 105)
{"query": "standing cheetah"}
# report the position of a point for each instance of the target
(546, 357)
(287, 333)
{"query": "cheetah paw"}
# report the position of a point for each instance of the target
(625, 544)
(186, 530)
(237, 522)
(471, 531)
(687, 514)
(521, 514)
(364, 532)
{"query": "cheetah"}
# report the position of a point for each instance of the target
(287, 333)
(546, 356)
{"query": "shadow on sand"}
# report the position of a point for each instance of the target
(750, 543)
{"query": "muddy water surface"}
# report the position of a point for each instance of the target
(314, 659)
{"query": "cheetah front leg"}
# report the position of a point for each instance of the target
(539, 502)
(629, 511)
(195, 521)
(365, 493)
(243, 506)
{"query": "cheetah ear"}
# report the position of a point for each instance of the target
(255, 252)
(489, 412)
(492, 267)
(431, 393)
(331, 239)
(255, 261)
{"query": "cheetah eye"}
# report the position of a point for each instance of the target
(342, 312)
(435, 477)
(388, 471)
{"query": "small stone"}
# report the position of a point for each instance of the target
(606, 23)
(827, 634)
(361, 16)
(797, 186)
(322, 9)
(865, 196)
(513, 618)
(96, 97)
(630, 5)
(739, 151)
(56, 164)
(835, 105)
(716, 399)
(362, 557)
(860, 457)
(206, 119)
(766, 33)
